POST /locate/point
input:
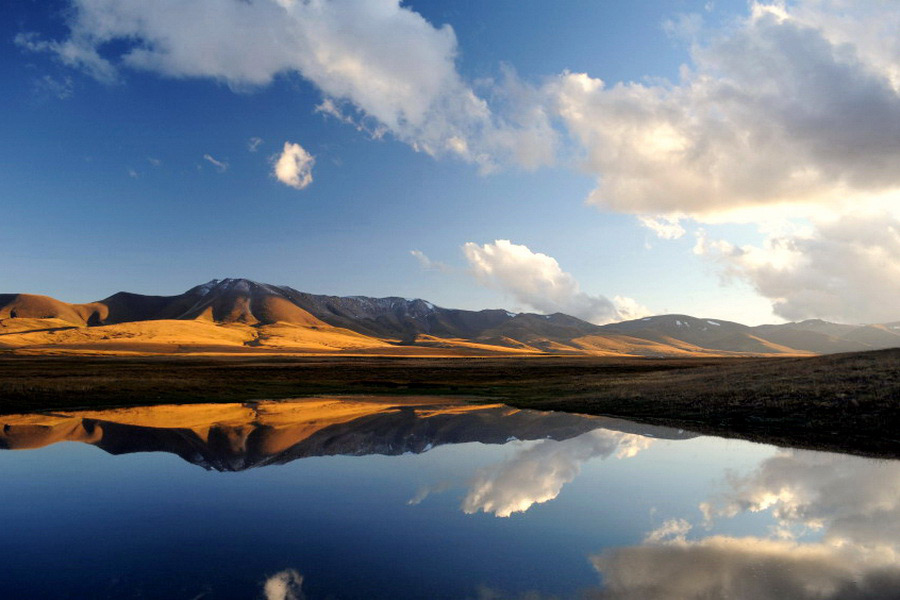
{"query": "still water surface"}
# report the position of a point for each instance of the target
(425, 498)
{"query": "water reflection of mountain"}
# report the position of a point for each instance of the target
(233, 437)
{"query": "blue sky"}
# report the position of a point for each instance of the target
(127, 161)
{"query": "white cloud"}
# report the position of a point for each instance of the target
(154, 161)
(221, 166)
(330, 108)
(538, 473)
(254, 143)
(428, 264)
(846, 269)
(793, 111)
(796, 105)
(384, 59)
(667, 227)
(785, 107)
(71, 52)
(293, 167)
(284, 585)
(629, 308)
(537, 280)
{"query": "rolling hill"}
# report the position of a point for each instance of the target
(243, 316)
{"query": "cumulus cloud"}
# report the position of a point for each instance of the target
(537, 280)
(293, 167)
(538, 473)
(254, 143)
(382, 58)
(845, 269)
(793, 111)
(220, 165)
(783, 108)
(284, 585)
(629, 308)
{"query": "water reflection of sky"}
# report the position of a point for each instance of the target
(606, 514)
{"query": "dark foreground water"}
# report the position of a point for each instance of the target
(389, 498)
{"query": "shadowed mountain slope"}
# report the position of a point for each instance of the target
(32, 306)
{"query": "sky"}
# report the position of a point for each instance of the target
(608, 160)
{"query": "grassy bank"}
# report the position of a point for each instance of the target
(847, 402)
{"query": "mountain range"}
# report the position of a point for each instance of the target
(240, 316)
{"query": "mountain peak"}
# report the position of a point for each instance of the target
(365, 322)
(231, 284)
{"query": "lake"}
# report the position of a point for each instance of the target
(396, 498)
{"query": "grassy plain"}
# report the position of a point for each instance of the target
(843, 402)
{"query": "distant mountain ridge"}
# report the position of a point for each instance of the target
(265, 314)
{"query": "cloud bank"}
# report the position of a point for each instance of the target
(783, 108)
(793, 111)
(537, 280)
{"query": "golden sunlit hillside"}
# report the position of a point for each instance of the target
(239, 316)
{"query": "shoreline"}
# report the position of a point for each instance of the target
(841, 403)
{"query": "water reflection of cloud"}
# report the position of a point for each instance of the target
(426, 490)
(673, 529)
(284, 585)
(744, 569)
(850, 499)
(851, 503)
(538, 473)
